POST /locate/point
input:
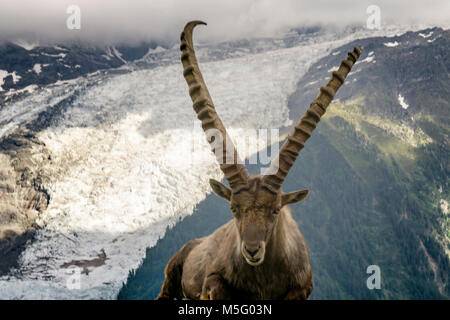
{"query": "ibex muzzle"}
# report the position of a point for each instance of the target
(260, 253)
(253, 244)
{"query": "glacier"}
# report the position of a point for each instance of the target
(122, 167)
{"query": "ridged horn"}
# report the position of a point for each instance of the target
(302, 131)
(234, 169)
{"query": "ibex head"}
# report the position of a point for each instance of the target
(255, 201)
(256, 210)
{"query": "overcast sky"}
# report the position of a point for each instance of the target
(113, 21)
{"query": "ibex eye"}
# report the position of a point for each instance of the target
(276, 210)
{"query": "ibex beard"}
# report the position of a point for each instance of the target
(260, 253)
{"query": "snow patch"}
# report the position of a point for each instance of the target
(370, 58)
(311, 83)
(333, 69)
(158, 49)
(426, 35)
(37, 68)
(29, 89)
(4, 74)
(444, 206)
(62, 55)
(118, 55)
(25, 44)
(402, 102)
(391, 44)
(60, 48)
(16, 77)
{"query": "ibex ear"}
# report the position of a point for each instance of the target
(220, 189)
(293, 197)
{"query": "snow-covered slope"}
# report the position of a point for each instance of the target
(122, 167)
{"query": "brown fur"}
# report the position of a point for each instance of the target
(174, 271)
(214, 267)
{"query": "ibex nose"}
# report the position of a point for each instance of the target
(252, 250)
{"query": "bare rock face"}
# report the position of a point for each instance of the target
(22, 195)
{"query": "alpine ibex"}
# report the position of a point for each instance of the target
(260, 254)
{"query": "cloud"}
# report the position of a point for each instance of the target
(118, 21)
